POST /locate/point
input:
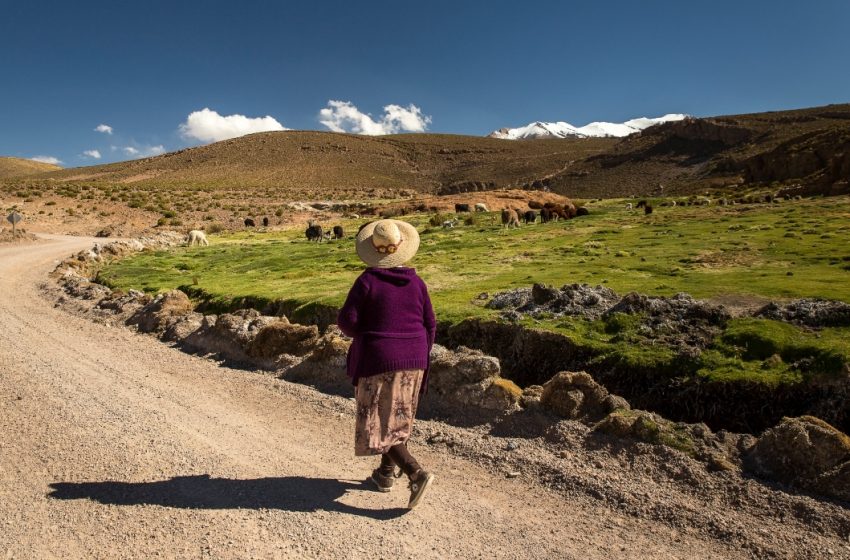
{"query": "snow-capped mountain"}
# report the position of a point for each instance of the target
(563, 129)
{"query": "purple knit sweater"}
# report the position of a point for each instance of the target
(388, 314)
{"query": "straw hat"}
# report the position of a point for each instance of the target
(387, 243)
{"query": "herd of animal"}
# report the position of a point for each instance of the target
(548, 212)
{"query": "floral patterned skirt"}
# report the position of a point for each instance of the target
(386, 406)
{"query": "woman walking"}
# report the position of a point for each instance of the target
(388, 313)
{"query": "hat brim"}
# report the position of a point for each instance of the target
(406, 250)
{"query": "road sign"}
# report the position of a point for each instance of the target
(13, 219)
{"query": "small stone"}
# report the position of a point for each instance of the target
(511, 446)
(512, 474)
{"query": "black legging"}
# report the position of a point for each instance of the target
(399, 455)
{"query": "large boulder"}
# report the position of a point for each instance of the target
(159, 313)
(495, 394)
(325, 367)
(283, 337)
(805, 452)
(451, 369)
(574, 395)
(183, 327)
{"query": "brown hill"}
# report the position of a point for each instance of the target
(301, 164)
(19, 167)
(809, 148)
(806, 149)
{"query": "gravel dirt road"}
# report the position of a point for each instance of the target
(114, 445)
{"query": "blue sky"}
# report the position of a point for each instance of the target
(455, 67)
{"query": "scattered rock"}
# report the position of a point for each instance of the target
(816, 313)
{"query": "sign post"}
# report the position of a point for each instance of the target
(13, 219)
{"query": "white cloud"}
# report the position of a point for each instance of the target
(105, 128)
(92, 154)
(343, 116)
(207, 125)
(143, 151)
(47, 159)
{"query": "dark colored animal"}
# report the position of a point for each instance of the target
(249, 222)
(461, 208)
(534, 205)
(582, 211)
(510, 218)
(339, 233)
(647, 209)
(545, 216)
(314, 232)
(265, 221)
(641, 203)
(530, 217)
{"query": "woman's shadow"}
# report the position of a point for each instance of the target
(290, 493)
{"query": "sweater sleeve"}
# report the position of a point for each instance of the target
(348, 315)
(428, 317)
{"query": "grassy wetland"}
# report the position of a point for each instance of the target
(738, 255)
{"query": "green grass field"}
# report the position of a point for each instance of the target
(777, 251)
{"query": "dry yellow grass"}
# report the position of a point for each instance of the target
(18, 167)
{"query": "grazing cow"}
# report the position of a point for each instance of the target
(481, 207)
(530, 217)
(534, 205)
(326, 235)
(582, 211)
(461, 208)
(196, 237)
(510, 218)
(265, 221)
(545, 216)
(647, 209)
(249, 222)
(314, 232)
(339, 233)
(449, 223)
(642, 203)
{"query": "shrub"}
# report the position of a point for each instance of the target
(215, 228)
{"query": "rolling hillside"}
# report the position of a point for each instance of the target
(301, 164)
(806, 150)
(19, 167)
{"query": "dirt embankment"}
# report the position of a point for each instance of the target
(469, 389)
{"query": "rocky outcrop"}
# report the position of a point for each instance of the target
(810, 312)
(575, 395)
(720, 452)
(324, 367)
(229, 335)
(469, 377)
(573, 299)
(283, 337)
(158, 315)
(805, 452)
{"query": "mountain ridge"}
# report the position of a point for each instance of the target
(597, 129)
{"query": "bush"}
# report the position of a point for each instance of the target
(215, 228)
(437, 219)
